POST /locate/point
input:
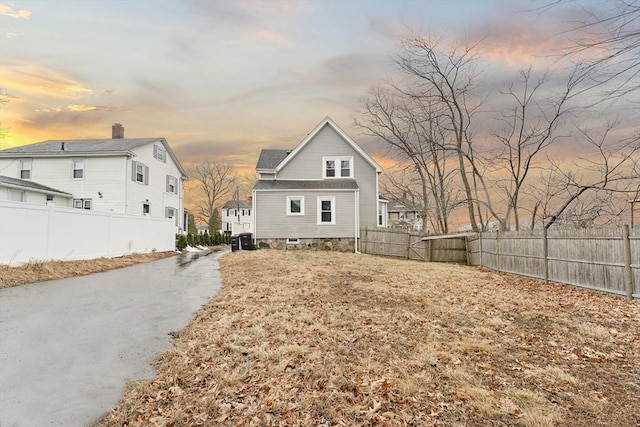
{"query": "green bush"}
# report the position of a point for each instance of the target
(181, 242)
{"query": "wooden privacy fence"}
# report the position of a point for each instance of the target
(403, 244)
(606, 260)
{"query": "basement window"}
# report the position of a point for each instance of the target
(291, 241)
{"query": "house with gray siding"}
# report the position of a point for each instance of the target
(318, 194)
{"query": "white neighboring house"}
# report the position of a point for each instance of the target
(135, 176)
(319, 194)
(237, 217)
(21, 190)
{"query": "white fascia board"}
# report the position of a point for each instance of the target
(314, 132)
(36, 190)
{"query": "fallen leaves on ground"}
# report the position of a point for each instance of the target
(40, 271)
(305, 338)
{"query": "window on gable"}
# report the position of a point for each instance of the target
(295, 205)
(345, 168)
(330, 168)
(140, 173)
(78, 169)
(326, 210)
(82, 204)
(25, 169)
(338, 167)
(160, 153)
(172, 184)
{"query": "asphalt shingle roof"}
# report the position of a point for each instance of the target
(325, 184)
(270, 158)
(74, 147)
(234, 204)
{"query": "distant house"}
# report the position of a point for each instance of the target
(318, 194)
(136, 176)
(22, 190)
(402, 213)
(237, 216)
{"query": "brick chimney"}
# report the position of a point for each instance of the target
(117, 131)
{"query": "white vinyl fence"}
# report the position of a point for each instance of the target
(46, 232)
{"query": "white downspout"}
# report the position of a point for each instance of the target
(255, 215)
(357, 219)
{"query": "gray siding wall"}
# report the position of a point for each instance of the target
(307, 164)
(271, 220)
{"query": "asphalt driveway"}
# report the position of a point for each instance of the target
(68, 347)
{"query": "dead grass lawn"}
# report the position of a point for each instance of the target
(325, 339)
(39, 271)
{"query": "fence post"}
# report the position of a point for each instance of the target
(408, 245)
(363, 241)
(427, 250)
(498, 251)
(480, 234)
(545, 253)
(626, 241)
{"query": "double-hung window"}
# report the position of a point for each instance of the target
(172, 184)
(78, 169)
(326, 210)
(337, 167)
(140, 173)
(295, 205)
(25, 169)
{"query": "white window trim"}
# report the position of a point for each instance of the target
(331, 199)
(83, 204)
(172, 180)
(289, 200)
(134, 172)
(293, 241)
(74, 163)
(25, 165)
(338, 166)
(11, 193)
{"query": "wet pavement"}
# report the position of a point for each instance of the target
(68, 347)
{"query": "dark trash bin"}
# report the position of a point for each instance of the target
(246, 241)
(235, 243)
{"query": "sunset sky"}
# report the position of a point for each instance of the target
(224, 79)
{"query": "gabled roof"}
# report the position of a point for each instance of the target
(31, 186)
(237, 204)
(89, 148)
(328, 122)
(274, 160)
(327, 184)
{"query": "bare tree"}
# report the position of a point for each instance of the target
(216, 181)
(530, 126)
(445, 79)
(610, 38)
(410, 127)
(587, 191)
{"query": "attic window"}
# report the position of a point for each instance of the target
(160, 153)
(337, 167)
